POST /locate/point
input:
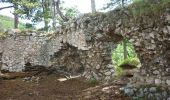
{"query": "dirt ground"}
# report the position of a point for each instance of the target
(23, 86)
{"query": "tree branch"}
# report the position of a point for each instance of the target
(59, 12)
(6, 7)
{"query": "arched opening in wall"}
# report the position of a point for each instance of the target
(125, 59)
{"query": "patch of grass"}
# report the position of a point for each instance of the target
(8, 22)
(119, 71)
(3, 35)
(93, 82)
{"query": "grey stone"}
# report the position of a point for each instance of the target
(112, 70)
(110, 66)
(150, 80)
(158, 81)
(98, 36)
(150, 96)
(158, 96)
(168, 98)
(164, 94)
(129, 86)
(135, 98)
(145, 90)
(168, 69)
(98, 67)
(122, 89)
(108, 73)
(168, 82)
(107, 78)
(152, 89)
(141, 93)
(95, 76)
(156, 72)
(88, 38)
(129, 92)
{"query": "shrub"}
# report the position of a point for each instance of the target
(93, 82)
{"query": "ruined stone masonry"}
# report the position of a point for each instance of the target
(85, 44)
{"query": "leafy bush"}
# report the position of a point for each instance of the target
(119, 71)
(2, 35)
(93, 82)
(118, 58)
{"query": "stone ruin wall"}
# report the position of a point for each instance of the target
(71, 50)
(86, 44)
(151, 38)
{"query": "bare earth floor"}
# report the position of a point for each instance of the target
(23, 86)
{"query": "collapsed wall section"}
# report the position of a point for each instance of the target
(75, 51)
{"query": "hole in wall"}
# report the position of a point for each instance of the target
(125, 59)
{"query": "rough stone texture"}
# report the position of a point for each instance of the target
(70, 52)
(146, 92)
(86, 44)
(22, 50)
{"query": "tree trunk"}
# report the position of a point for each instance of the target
(45, 6)
(59, 12)
(16, 19)
(93, 6)
(53, 10)
(125, 52)
(46, 25)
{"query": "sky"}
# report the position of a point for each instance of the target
(82, 5)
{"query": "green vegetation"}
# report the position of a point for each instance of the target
(2, 35)
(46, 11)
(118, 57)
(93, 82)
(140, 7)
(8, 22)
(133, 62)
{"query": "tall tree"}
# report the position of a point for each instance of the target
(41, 10)
(93, 6)
(16, 19)
(46, 13)
(20, 7)
(53, 12)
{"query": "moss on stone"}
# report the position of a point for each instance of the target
(3, 34)
(129, 63)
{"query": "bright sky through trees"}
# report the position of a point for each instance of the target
(84, 6)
